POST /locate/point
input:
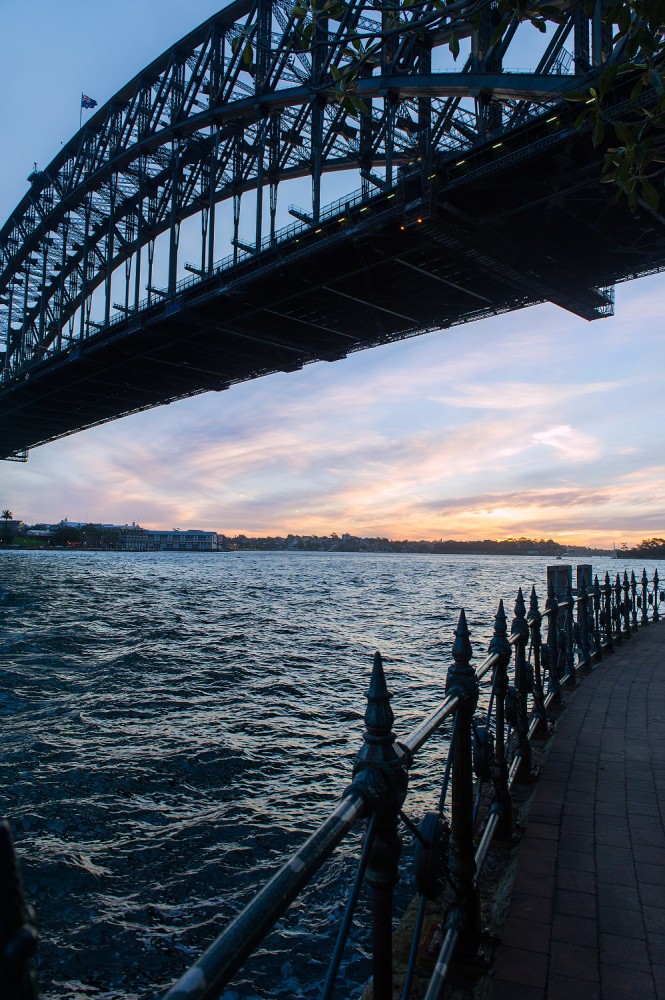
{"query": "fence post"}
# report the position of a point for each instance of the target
(569, 634)
(633, 600)
(583, 626)
(607, 612)
(534, 621)
(18, 937)
(520, 628)
(461, 680)
(645, 597)
(552, 606)
(656, 584)
(625, 586)
(618, 610)
(597, 620)
(380, 753)
(500, 646)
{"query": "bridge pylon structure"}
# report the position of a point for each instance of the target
(149, 261)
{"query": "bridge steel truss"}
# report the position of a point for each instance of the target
(91, 327)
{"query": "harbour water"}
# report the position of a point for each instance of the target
(173, 725)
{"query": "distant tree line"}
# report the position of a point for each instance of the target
(649, 548)
(63, 535)
(353, 543)
(97, 536)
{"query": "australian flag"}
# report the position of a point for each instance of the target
(88, 102)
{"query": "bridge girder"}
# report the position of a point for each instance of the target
(189, 132)
(205, 124)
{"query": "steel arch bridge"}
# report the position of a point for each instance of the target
(476, 194)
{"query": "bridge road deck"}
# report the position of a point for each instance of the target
(587, 914)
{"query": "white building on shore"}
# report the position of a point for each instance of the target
(142, 540)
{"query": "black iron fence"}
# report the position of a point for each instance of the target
(489, 749)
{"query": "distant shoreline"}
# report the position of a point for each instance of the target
(606, 553)
(79, 536)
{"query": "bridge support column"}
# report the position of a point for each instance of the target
(139, 233)
(581, 27)
(212, 174)
(424, 104)
(151, 259)
(174, 227)
(273, 168)
(601, 35)
(113, 186)
(84, 283)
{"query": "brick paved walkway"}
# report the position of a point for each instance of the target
(587, 914)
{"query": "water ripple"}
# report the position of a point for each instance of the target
(174, 725)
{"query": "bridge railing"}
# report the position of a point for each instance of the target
(352, 200)
(241, 254)
(494, 720)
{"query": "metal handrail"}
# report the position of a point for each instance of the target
(369, 788)
(227, 953)
(417, 739)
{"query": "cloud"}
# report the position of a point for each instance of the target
(478, 431)
(634, 506)
(530, 395)
(569, 444)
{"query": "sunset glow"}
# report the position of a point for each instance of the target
(533, 424)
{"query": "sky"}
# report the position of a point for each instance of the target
(534, 424)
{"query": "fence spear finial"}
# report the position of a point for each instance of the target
(462, 651)
(499, 641)
(379, 716)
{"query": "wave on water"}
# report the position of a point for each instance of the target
(173, 727)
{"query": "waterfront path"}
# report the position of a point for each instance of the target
(587, 914)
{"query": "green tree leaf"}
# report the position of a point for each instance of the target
(453, 45)
(656, 81)
(650, 195)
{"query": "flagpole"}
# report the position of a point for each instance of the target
(81, 112)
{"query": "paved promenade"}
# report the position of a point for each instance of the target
(587, 914)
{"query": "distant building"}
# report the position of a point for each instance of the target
(137, 539)
(131, 537)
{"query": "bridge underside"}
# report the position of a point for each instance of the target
(506, 228)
